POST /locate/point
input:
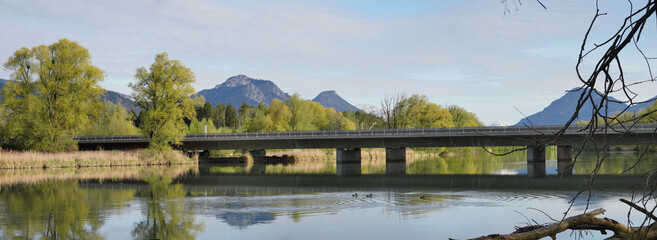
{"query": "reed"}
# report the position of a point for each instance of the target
(32, 159)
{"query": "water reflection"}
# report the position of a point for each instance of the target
(465, 164)
(57, 210)
(165, 218)
(429, 193)
(243, 220)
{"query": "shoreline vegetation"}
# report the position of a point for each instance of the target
(100, 158)
(10, 177)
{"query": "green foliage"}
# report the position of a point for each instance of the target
(163, 93)
(165, 219)
(205, 111)
(301, 113)
(53, 92)
(112, 120)
(417, 112)
(364, 120)
(197, 126)
(219, 117)
(463, 118)
(230, 116)
(57, 210)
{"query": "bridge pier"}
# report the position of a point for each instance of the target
(536, 169)
(395, 155)
(535, 154)
(564, 153)
(346, 155)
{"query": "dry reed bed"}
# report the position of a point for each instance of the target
(29, 159)
(33, 176)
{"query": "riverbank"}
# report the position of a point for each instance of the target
(77, 159)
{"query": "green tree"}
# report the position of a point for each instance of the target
(280, 116)
(163, 93)
(219, 117)
(53, 92)
(301, 113)
(205, 111)
(244, 113)
(463, 118)
(231, 116)
(112, 120)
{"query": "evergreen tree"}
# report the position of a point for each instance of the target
(219, 117)
(231, 116)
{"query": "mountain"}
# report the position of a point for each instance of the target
(125, 100)
(331, 99)
(371, 109)
(241, 88)
(560, 110)
(499, 124)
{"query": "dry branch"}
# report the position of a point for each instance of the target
(586, 221)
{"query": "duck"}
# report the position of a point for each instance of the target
(369, 195)
(354, 195)
(423, 197)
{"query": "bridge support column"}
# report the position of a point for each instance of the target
(204, 154)
(536, 169)
(564, 153)
(345, 155)
(535, 154)
(395, 155)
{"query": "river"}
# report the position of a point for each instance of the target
(429, 197)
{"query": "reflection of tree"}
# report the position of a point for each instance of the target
(165, 219)
(56, 210)
(463, 164)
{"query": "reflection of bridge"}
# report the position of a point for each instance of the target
(395, 141)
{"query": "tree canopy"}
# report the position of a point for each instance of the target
(53, 92)
(163, 93)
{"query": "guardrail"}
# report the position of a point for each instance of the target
(520, 130)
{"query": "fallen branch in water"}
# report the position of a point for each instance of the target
(586, 221)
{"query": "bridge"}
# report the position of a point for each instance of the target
(349, 142)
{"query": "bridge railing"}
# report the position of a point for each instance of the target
(374, 132)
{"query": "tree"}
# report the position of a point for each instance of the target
(112, 120)
(231, 116)
(394, 110)
(463, 118)
(219, 117)
(163, 93)
(205, 111)
(53, 92)
(301, 113)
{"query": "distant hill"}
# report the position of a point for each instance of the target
(331, 99)
(241, 88)
(369, 108)
(560, 110)
(109, 95)
(125, 100)
(499, 124)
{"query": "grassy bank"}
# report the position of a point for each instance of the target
(26, 160)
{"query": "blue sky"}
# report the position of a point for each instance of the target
(466, 53)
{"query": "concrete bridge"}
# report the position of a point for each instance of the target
(395, 141)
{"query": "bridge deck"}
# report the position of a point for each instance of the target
(641, 134)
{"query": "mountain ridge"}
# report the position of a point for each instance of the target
(241, 88)
(559, 111)
(331, 99)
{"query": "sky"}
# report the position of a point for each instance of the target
(467, 53)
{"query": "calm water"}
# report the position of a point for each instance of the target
(436, 198)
